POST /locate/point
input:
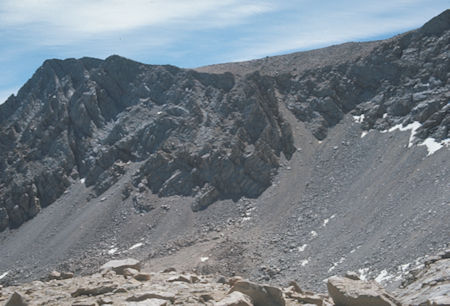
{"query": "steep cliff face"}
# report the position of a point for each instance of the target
(401, 81)
(195, 134)
(317, 162)
(206, 135)
(397, 81)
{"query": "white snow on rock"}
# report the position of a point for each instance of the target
(112, 251)
(302, 248)
(314, 234)
(203, 259)
(431, 144)
(383, 276)
(359, 119)
(364, 133)
(304, 262)
(412, 127)
(325, 222)
(335, 264)
(82, 180)
(4, 275)
(363, 273)
(137, 245)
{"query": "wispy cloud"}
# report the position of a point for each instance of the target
(337, 23)
(189, 33)
(61, 22)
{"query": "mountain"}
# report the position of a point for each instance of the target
(277, 168)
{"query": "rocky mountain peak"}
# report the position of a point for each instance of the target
(437, 25)
(289, 167)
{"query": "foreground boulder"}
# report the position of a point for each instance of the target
(235, 298)
(16, 300)
(429, 283)
(261, 295)
(119, 266)
(350, 292)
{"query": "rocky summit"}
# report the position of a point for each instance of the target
(296, 168)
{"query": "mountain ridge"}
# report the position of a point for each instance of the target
(98, 153)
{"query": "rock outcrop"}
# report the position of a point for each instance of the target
(205, 135)
(350, 292)
(428, 285)
(194, 134)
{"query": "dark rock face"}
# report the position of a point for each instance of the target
(402, 80)
(206, 136)
(193, 133)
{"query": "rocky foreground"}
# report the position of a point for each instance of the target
(121, 282)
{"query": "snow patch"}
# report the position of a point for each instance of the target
(304, 262)
(354, 250)
(112, 251)
(335, 264)
(410, 127)
(246, 218)
(137, 245)
(203, 259)
(432, 145)
(302, 248)
(363, 273)
(314, 234)
(404, 267)
(359, 119)
(4, 275)
(325, 222)
(83, 180)
(364, 133)
(383, 276)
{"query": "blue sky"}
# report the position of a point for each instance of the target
(190, 33)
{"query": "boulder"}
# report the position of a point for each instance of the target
(16, 300)
(180, 278)
(142, 277)
(161, 295)
(54, 275)
(235, 298)
(168, 270)
(118, 266)
(96, 290)
(130, 272)
(149, 302)
(348, 292)
(66, 275)
(261, 295)
(60, 275)
(439, 301)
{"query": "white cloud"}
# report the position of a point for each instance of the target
(354, 21)
(80, 19)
